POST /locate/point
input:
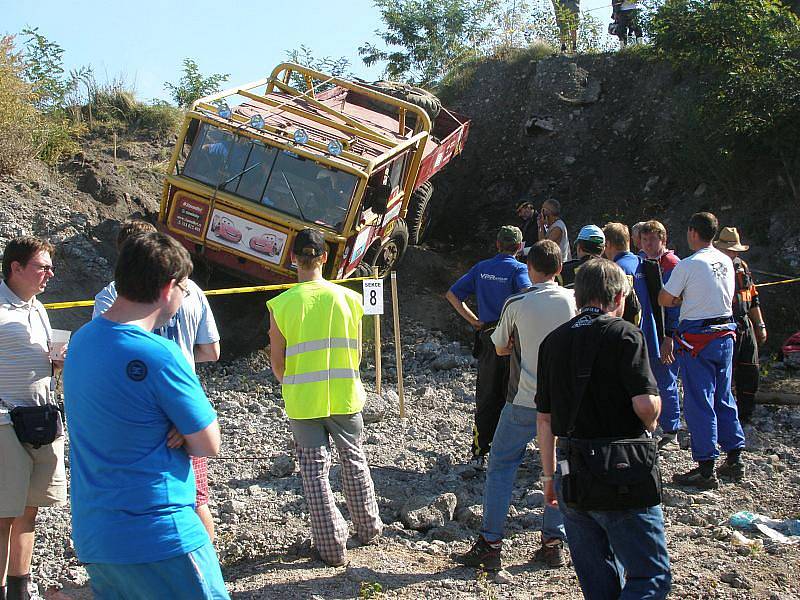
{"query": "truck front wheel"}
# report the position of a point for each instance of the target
(387, 254)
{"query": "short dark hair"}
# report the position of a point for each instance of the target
(705, 224)
(21, 250)
(133, 227)
(147, 263)
(599, 280)
(545, 257)
(593, 248)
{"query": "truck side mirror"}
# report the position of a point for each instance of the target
(377, 198)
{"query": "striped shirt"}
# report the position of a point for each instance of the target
(25, 368)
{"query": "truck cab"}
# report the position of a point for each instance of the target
(255, 164)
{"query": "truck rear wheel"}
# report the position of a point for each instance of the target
(419, 213)
(413, 95)
(387, 255)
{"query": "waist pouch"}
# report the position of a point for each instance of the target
(615, 474)
(36, 425)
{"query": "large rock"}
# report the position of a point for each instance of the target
(422, 512)
(377, 408)
(282, 465)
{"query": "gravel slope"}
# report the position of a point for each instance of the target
(263, 532)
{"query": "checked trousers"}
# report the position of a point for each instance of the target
(328, 528)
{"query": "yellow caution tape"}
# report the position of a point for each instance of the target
(220, 292)
(795, 280)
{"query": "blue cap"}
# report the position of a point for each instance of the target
(592, 233)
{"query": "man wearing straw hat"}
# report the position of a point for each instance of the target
(315, 348)
(750, 325)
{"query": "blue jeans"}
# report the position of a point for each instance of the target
(619, 553)
(192, 576)
(515, 429)
(667, 380)
(708, 404)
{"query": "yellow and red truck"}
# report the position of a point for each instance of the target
(255, 164)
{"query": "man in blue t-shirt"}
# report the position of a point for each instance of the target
(136, 412)
(491, 281)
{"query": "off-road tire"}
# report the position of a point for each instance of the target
(418, 216)
(413, 95)
(387, 254)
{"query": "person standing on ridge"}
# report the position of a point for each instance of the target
(491, 281)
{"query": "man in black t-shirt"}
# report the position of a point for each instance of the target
(620, 401)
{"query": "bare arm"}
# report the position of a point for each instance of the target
(667, 300)
(206, 352)
(205, 442)
(277, 349)
(505, 350)
(463, 310)
(758, 320)
(547, 449)
(555, 234)
(647, 407)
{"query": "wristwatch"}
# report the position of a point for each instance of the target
(545, 478)
(761, 325)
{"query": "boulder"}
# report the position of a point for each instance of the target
(422, 512)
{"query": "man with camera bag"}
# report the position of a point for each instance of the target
(597, 395)
(31, 467)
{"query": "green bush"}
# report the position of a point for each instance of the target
(746, 53)
(18, 115)
(158, 118)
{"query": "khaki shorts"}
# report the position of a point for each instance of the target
(29, 476)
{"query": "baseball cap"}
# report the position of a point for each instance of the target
(309, 242)
(509, 234)
(525, 203)
(591, 233)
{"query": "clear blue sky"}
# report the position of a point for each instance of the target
(146, 41)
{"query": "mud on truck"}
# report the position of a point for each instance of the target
(255, 164)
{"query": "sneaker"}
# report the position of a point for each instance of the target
(551, 553)
(668, 441)
(482, 554)
(695, 478)
(734, 470)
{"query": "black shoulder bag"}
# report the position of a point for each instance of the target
(606, 473)
(35, 425)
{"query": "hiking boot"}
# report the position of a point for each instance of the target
(551, 553)
(482, 554)
(731, 470)
(697, 478)
(668, 441)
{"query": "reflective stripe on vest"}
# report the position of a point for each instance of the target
(325, 344)
(316, 376)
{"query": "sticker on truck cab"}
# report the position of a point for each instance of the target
(246, 237)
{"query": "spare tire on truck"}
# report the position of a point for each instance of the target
(403, 91)
(418, 216)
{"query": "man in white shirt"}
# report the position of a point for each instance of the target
(526, 320)
(703, 286)
(30, 477)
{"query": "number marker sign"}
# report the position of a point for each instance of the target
(373, 296)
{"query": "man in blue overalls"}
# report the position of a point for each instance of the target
(491, 281)
(703, 286)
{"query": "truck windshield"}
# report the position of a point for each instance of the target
(271, 177)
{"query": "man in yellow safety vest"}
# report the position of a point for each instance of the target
(315, 348)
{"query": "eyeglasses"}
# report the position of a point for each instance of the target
(185, 290)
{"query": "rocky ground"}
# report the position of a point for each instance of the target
(430, 501)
